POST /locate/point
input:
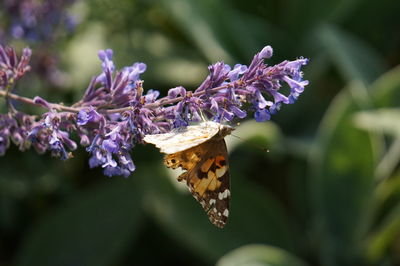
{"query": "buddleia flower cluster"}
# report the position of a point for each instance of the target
(115, 112)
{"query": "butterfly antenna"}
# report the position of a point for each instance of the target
(264, 149)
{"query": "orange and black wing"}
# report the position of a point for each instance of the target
(207, 177)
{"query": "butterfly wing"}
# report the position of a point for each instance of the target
(207, 177)
(183, 138)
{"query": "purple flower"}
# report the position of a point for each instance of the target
(218, 75)
(135, 70)
(111, 143)
(151, 96)
(266, 52)
(115, 112)
(88, 117)
(238, 69)
(15, 127)
(262, 115)
(113, 88)
(12, 69)
(96, 159)
(108, 67)
(48, 135)
(177, 92)
(258, 84)
(106, 57)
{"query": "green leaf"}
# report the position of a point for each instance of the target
(342, 164)
(354, 59)
(259, 255)
(384, 119)
(388, 190)
(388, 231)
(385, 91)
(92, 228)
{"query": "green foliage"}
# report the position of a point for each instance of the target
(326, 193)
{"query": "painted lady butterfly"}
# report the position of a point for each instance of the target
(201, 151)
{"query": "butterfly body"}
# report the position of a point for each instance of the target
(201, 151)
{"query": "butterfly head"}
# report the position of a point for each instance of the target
(224, 130)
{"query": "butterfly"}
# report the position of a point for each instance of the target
(201, 151)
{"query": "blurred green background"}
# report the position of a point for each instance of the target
(326, 193)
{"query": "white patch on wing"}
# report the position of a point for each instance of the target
(226, 213)
(223, 195)
(221, 171)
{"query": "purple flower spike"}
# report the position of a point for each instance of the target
(12, 69)
(115, 112)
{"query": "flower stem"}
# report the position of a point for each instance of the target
(161, 102)
(31, 102)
